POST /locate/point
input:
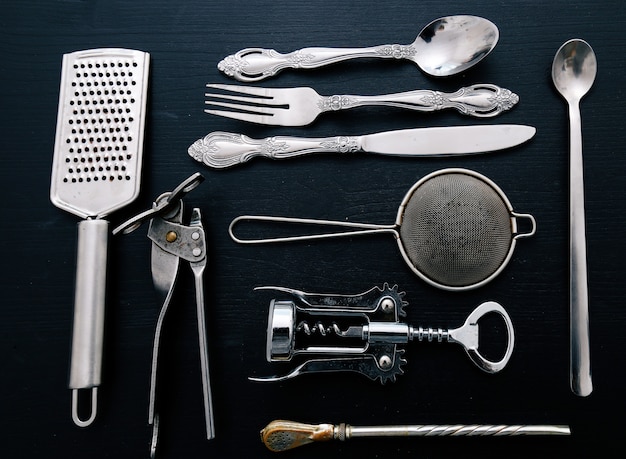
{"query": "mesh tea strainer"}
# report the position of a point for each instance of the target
(455, 229)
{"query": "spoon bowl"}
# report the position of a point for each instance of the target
(573, 72)
(445, 47)
(453, 44)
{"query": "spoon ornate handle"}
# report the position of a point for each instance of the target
(256, 64)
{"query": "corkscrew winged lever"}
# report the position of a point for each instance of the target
(365, 334)
(171, 242)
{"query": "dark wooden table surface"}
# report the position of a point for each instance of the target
(186, 39)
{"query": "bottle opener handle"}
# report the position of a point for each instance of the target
(467, 336)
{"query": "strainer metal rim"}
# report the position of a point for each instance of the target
(512, 219)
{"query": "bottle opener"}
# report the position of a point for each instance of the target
(365, 335)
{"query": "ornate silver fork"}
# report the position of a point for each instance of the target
(300, 106)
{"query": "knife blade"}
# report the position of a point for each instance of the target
(442, 141)
(223, 149)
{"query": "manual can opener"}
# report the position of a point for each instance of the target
(171, 242)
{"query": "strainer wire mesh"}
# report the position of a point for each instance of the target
(456, 229)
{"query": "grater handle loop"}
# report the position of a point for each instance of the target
(93, 410)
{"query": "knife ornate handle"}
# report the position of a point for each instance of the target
(479, 100)
(224, 149)
(256, 64)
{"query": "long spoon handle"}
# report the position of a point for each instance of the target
(580, 364)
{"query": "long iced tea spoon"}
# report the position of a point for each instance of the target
(573, 71)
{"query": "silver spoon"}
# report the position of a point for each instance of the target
(573, 71)
(445, 47)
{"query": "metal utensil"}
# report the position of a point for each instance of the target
(285, 435)
(455, 229)
(573, 72)
(171, 242)
(447, 46)
(300, 106)
(96, 170)
(223, 149)
(370, 338)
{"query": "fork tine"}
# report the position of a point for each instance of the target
(246, 108)
(271, 106)
(260, 92)
(250, 100)
(243, 116)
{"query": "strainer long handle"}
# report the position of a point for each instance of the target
(358, 229)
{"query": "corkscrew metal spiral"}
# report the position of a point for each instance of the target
(318, 328)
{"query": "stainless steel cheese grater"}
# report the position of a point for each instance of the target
(96, 170)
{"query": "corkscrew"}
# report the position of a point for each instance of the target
(365, 334)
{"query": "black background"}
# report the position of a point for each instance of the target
(186, 39)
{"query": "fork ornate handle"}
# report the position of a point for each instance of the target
(479, 100)
(224, 149)
(256, 64)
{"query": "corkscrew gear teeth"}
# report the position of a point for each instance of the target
(362, 333)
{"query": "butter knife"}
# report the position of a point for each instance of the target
(223, 149)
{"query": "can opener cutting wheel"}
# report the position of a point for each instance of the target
(171, 242)
(366, 333)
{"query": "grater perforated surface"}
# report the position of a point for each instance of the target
(100, 124)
